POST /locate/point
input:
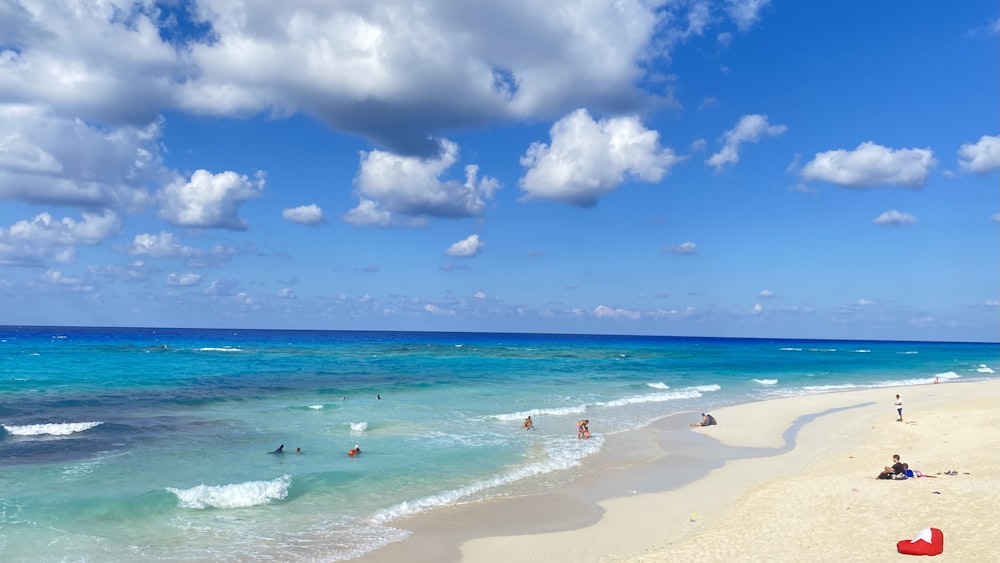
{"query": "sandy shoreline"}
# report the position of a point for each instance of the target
(787, 479)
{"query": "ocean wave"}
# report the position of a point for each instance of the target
(358, 426)
(863, 351)
(240, 495)
(216, 349)
(659, 385)
(558, 461)
(557, 411)
(789, 349)
(983, 368)
(766, 381)
(316, 407)
(691, 393)
(52, 429)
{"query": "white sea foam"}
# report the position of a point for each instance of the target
(359, 426)
(224, 349)
(52, 429)
(659, 385)
(557, 461)
(559, 411)
(983, 368)
(652, 398)
(910, 352)
(316, 407)
(766, 381)
(789, 349)
(241, 495)
(863, 351)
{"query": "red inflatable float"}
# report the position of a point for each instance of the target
(930, 541)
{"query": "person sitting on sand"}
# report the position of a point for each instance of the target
(890, 472)
(706, 420)
(529, 424)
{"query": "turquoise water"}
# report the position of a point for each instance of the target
(152, 444)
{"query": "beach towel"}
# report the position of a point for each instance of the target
(930, 541)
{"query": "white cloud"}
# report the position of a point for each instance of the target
(72, 283)
(163, 245)
(864, 302)
(766, 294)
(45, 239)
(390, 184)
(871, 165)
(368, 212)
(995, 217)
(305, 214)
(895, 218)
(980, 157)
(208, 200)
(749, 129)
(394, 71)
(745, 13)
(466, 248)
(604, 312)
(183, 280)
(50, 160)
(682, 248)
(588, 159)
(437, 310)
(285, 293)
(756, 309)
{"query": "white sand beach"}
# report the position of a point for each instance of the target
(817, 501)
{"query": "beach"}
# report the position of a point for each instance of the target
(804, 490)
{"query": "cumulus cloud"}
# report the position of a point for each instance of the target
(745, 13)
(163, 245)
(390, 184)
(393, 71)
(895, 218)
(183, 280)
(72, 283)
(285, 293)
(310, 214)
(980, 157)
(604, 312)
(166, 245)
(208, 200)
(871, 165)
(749, 129)
(45, 239)
(766, 294)
(51, 160)
(588, 159)
(466, 248)
(682, 248)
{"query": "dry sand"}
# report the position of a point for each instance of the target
(798, 484)
(818, 502)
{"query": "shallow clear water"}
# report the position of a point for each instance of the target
(145, 444)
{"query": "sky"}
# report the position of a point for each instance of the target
(736, 168)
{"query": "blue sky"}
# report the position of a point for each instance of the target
(757, 168)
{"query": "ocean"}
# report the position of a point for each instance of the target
(140, 444)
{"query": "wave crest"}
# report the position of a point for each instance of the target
(240, 495)
(54, 429)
